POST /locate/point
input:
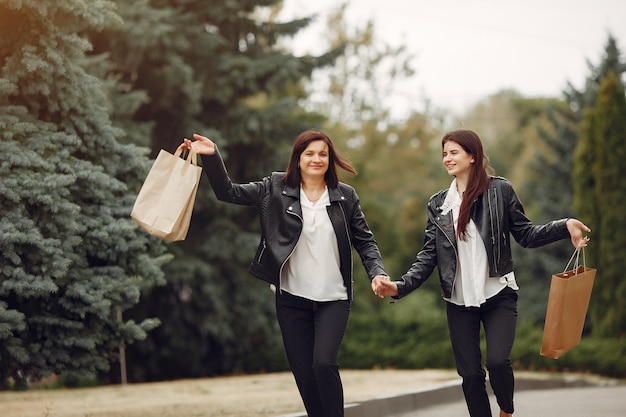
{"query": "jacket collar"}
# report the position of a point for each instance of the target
(335, 194)
(451, 200)
(291, 191)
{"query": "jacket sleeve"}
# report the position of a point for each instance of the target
(425, 261)
(249, 194)
(363, 240)
(523, 230)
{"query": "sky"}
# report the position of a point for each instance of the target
(466, 50)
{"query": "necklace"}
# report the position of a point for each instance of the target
(314, 196)
(313, 201)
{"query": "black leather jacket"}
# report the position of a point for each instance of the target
(497, 213)
(280, 215)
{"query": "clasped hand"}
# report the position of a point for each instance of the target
(384, 287)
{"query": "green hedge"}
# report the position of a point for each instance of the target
(413, 334)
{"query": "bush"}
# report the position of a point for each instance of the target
(408, 334)
(413, 334)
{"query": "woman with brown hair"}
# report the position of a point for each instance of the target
(310, 221)
(468, 239)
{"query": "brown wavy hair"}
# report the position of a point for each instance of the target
(478, 180)
(335, 159)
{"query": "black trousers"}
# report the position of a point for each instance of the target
(498, 316)
(312, 334)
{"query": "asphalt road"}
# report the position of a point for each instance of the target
(597, 401)
(534, 397)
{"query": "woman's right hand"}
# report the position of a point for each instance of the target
(202, 145)
(383, 286)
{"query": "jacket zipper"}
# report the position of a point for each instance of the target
(456, 254)
(345, 223)
(280, 271)
(495, 230)
(258, 259)
(447, 237)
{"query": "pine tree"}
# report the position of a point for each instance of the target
(550, 180)
(544, 184)
(73, 261)
(579, 100)
(215, 68)
(600, 195)
(582, 102)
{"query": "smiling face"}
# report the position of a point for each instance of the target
(314, 159)
(456, 160)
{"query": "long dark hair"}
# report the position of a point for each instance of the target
(292, 176)
(478, 180)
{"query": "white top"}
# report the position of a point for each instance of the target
(312, 270)
(472, 285)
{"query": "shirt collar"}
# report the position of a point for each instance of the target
(452, 199)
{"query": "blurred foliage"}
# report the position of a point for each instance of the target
(215, 68)
(600, 167)
(160, 70)
(73, 262)
(531, 142)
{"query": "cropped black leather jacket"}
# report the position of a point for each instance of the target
(497, 214)
(280, 215)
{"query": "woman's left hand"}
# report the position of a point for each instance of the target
(575, 229)
(382, 286)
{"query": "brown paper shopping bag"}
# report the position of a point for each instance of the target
(568, 301)
(165, 201)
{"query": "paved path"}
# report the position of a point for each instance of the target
(534, 397)
(607, 401)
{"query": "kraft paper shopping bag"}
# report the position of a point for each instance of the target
(568, 301)
(165, 201)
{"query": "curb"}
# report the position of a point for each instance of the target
(395, 406)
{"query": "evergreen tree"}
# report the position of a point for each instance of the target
(73, 261)
(215, 68)
(548, 182)
(579, 100)
(545, 187)
(600, 195)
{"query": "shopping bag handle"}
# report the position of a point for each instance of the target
(190, 156)
(576, 264)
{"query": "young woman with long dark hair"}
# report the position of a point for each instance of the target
(468, 235)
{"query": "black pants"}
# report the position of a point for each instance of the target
(312, 334)
(499, 318)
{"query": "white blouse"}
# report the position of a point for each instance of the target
(312, 271)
